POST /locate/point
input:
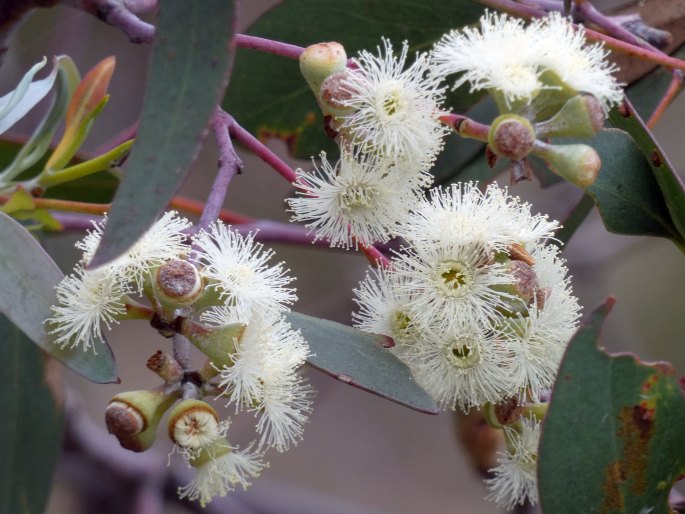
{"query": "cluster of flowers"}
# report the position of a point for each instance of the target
(385, 117)
(226, 298)
(478, 303)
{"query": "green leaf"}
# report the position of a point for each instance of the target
(268, 95)
(360, 360)
(613, 440)
(188, 75)
(667, 178)
(15, 104)
(31, 430)
(27, 290)
(34, 149)
(626, 192)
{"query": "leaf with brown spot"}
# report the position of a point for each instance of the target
(613, 440)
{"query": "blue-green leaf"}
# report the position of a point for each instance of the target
(360, 360)
(27, 290)
(190, 63)
(31, 429)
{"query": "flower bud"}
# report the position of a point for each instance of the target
(194, 424)
(523, 287)
(334, 94)
(132, 417)
(165, 366)
(320, 61)
(581, 116)
(578, 164)
(177, 284)
(217, 343)
(511, 136)
(507, 412)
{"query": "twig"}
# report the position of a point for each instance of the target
(77, 222)
(191, 206)
(120, 14)
(229, 165)
(258, 148)
(375, 256)
(674, 88)
(182, 351)
(645, 54)
(268, 46)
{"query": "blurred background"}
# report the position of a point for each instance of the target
(360, 454)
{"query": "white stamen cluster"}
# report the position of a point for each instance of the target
(389, 136)
(475, 324)
(89, 298)
(514, 479)
(508, 57)
(235, 284)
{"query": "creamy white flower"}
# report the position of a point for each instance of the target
(395, 110)
(264, 378)
(502, 55)
(384, 309)
(452, 285)
(220, 475)
(461, 215)
(284, 409)
(510, 58)
(357, 200)
(538, 338)
(85, 301)
(163, 241)
(580, 65)
(240, 271)
(463, 367)
(514, 479)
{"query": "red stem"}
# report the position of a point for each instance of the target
(268, 46)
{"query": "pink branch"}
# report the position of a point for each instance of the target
(268, 46)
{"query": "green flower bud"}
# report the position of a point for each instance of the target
(581, 116)
(334, 94)
(217, 343)
(132, 417)
(523, 288)
(320, 61)
(511, 136)
(579, 164)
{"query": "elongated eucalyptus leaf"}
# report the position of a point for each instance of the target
(667, 178)
(188, 75)
(625, 192)
(360, 360)
(28, 277)
(31, 429)
(268, 95)
(613, 440)
(15, 104)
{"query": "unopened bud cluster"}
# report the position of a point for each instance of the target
(228, 301)
(547, 82)
(383, 112)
